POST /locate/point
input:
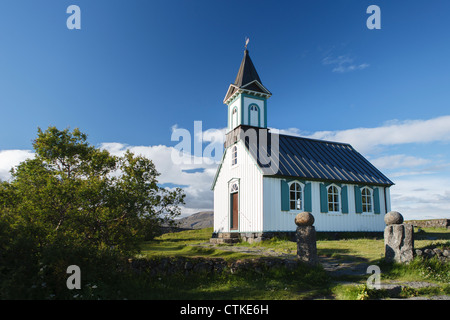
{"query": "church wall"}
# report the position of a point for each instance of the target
(249, 178)
(277, 220)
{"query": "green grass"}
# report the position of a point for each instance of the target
(182, 244)
(431, 237)
(307, 283)
(275, 283)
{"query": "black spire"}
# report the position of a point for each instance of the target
(247, 78)
(247, 72)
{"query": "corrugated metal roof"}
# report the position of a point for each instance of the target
(317, 160)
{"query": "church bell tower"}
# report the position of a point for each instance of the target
(246, 98)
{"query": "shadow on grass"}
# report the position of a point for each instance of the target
(191, 251)
(275, 283)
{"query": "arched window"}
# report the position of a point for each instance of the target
(254, 115)
(295, 196)
(366, 195)
(234, 156)
(333, 199)
(234, 118)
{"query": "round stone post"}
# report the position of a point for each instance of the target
(398, 239)
(306, 238)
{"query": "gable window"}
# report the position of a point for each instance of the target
(295, 196)
(234, 156)
(366, 196)
(333, 199)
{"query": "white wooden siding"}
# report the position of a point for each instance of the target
(250, 193)
(277, 220)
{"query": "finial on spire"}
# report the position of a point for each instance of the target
(247, 40)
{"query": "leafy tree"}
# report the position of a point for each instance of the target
(75, 201)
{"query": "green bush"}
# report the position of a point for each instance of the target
(74, 204)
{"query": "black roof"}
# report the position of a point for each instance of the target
(316, 160)
(247, 73)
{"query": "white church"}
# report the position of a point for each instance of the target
(265, 179)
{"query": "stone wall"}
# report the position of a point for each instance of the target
(199, 265)
(443, 255)
(432, 223)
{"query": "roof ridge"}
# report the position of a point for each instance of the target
(313, 139)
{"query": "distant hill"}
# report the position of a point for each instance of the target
(199, 220)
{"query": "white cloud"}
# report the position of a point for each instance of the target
(421, 197)
(422, 189)
(197, 185)
(288, 131)
(10, 159)
(419, 192)
(399, 161)
(392, 133)
(343, 64)
(213, 135)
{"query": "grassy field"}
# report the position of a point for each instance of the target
(308, 283)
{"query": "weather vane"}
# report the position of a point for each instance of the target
(247, 40)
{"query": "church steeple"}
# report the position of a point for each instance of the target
(247, 97)
(247, 72)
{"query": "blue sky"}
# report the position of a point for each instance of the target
(138, 69)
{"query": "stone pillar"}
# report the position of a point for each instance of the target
(306, 238)
(398, 239)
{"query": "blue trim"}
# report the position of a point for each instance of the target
(265, 114)
(344, 199)
(251, 96)
(307, 196)
(242, 96)
(284, 196)
(358, 200)
(242, 110)
(376, 201)
(323, 198)
(265, 107)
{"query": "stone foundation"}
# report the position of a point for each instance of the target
(250, 237)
